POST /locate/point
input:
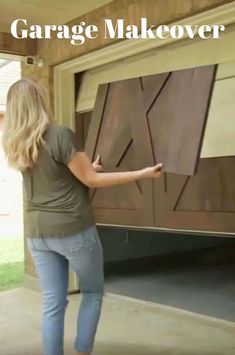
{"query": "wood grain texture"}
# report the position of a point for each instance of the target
(82, 123)
(203, 202)
(178, 116)
(166, 112)
(119, 134)
(93, 133)
(212, 189)
(56, 51)
(11, 45)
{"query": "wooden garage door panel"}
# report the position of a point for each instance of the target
(140, 121)
(170, 108)
(116, 132)
(151, 86)
(121, 137)
(96, 121)
(203, 202)
(178, 116)
(129, 197)
(212, 189)
(134, 102)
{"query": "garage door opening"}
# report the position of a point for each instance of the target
(193, 273)
(11, 215)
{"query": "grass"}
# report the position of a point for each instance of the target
(11, 263)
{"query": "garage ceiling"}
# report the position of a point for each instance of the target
(45, 12)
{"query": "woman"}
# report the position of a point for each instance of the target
(58, 221)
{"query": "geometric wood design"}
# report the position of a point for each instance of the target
(212, 189)
(82, 123)
(178, 116)
(172, 108)
(128, 132)
(203, 202)
(122, 140)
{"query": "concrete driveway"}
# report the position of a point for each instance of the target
(127, 327)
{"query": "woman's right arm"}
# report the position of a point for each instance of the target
(82, 168)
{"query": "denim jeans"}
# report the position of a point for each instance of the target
(52, 257)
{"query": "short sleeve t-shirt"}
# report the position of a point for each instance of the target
(56, 203)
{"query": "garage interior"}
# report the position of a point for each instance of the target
(194, 273)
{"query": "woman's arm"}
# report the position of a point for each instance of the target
(82, 168)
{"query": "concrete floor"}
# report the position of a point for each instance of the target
(127, 327)
(205, 285)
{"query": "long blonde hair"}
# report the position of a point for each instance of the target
(26, 119)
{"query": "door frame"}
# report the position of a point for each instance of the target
(64, 88)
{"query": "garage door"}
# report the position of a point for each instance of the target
(194, 194)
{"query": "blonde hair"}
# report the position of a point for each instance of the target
(26, 119)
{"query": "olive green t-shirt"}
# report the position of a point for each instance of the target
(56, 203)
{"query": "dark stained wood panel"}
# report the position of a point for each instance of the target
(212, 189)
(171, 107)
(115, 134)
(12, 45)
(152, 86)
(119, 134)
(203, 202)
(82, 124)
(178, 116)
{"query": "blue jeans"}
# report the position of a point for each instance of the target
(51, 257)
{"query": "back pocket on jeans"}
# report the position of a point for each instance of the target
(72, 244)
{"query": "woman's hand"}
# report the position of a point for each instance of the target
(153, 172)
(84, 171)
(97, 165)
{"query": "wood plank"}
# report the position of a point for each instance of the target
(212, 189)
(96, 120)
(119, 133)
(177, 119)
(157, 12)
(203, 202)
(82, 124)
(115, 134)
(11, 45)
(152, 85)
(142, 144)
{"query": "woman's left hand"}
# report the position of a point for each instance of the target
(97, 165)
